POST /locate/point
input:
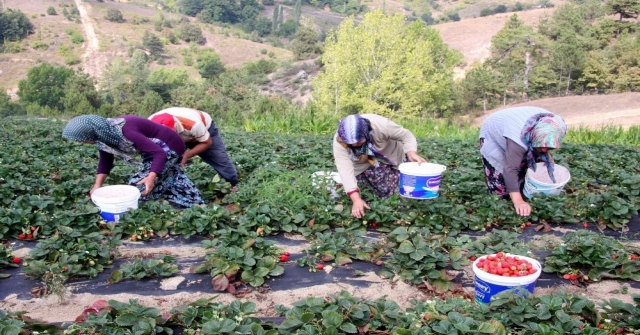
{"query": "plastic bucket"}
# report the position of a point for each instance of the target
(420, 181)
(540, 182)
(331, 180)
(114, 201)
(488, 285)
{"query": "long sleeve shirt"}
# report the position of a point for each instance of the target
(140, 131)
(389, 138)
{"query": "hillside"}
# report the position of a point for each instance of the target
(104, 41)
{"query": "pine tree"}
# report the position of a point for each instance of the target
(297, 13)
(274, 24)
(281, 17)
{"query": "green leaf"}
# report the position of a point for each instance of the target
(348, 327)
(307, 317)
(277, 271)
(126, 319)
(115, 277)
(331, 319)
(406, 247)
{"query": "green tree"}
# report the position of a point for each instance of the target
(479, 88)
(625, 9)
(306, 44)
(516, 48)
(172, 76)
(385, 66)
(153, 44)
(297, 12)
(262, 26)
(14, 26)
(80, 95)
(151, 103)
(44, 85)
(209, 64)
(191, 33)
(595, 74)
(274, 21)
(114, 15)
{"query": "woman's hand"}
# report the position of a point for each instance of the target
(414, 157)
(357, 210)
(148, 181)
(358, 207)
(521, 206)
(100, 178)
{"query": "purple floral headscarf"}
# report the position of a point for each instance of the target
(542, 131)
(353, 129)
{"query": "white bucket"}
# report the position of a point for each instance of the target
(114, 201)
(420, 181)
(540, 182)
(331, 181)
(488, 285)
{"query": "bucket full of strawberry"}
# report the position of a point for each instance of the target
(500, 272)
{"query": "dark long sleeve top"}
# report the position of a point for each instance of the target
(140, 131)
(513, 157)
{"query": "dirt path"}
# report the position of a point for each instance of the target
(592, 111)
(94, 62)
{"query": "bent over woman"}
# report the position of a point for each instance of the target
(159, 173)
(514, 140)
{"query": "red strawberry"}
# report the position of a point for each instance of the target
(17, 260)
(601, 326)
(29, 236)
(374, 224)
(472, 258)
(284, 258)
(488, 225)
(523, 227)
(528, 224)
(286, 253)
(33, 228)
(319, 266)
(22, 236)
(585, 225)
(567, 276)
(371, 316)
(65, 269)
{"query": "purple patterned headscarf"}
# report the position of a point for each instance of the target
(353, 129)
(542, 131)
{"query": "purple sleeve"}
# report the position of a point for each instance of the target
(145, 145)
(105, 164)
(513, 157)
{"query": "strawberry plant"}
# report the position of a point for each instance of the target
(199, 220)
(239, 256)
(418, 256)
(16, 323)
(7, 259)
(340, 247)
(338, 314)
(593, 257)
(207, 317)
(114, 317)
(72, 252)
(625, 316)
(158, 266)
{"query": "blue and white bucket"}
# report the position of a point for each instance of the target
(420, 181)
(540, 182)
(487, 285)
(116, 200)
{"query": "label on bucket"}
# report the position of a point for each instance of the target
(485, 290)
(419, 187)
(111, 217)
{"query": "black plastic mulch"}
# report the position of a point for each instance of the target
(293, 278)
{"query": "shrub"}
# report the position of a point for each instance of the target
(114, 15)
(486, 12)
(191, 33)
(500, 9)
(51, 10)
(39, 45)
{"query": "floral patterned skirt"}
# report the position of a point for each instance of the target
(495, 179)
(172, 185)
(383, 179)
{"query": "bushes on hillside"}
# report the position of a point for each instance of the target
(14, 26)
(114, 15)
